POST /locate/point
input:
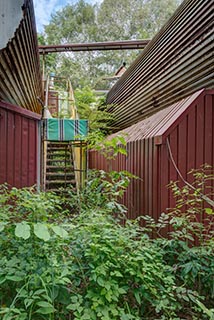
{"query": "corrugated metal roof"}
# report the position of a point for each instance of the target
(176, 63)
(20, 78)
(159, 123)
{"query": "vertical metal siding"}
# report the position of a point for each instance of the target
(18, 146)
(191, 139)
(209, 127)
(190, 131)
(20, 76)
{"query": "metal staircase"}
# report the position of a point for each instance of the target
(64, 153)
(59, 169)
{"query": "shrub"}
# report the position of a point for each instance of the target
(89, 265)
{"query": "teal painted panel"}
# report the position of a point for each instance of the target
(65, 129)
(53, 130)
(83, 127)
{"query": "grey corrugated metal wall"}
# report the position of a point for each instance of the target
(20, 78)
(176, 63)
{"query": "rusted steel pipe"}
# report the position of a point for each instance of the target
(95, 46)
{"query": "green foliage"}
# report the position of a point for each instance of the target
(90, 264)
(50, 61)
(192, 209)
(102, 192)
(89, 107)
(190, 226)
(109, 148)
(19, 204)
(133, 19)
(95, 269)
(119, 273)
(108, 21)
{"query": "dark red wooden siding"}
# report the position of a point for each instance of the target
(18, 145)
(191, 137)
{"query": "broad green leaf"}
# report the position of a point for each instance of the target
(122, 151)
(137, 297)
(72, 306)
(2, 225)
(14, 278)
(41, 231)
(40, 291)
(44, 304)
(208, 312)
(101, 282)
(59, 231)
(22, 230)
(209, 211)
(121, 291)
(22, 316)
(4, 310)
(28, 302)
(45, 310)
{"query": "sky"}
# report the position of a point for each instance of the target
(44, 9)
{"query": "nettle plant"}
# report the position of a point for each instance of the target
(87, 267)
(57, 263)
(32, 239)
(192, 218)
(109, 148)
(189, 248)
(102, 191)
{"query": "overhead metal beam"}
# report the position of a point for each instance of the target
(95, 46)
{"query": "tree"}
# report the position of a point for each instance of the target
(111, 20)
(50, 61)
(89, 107)
(74, 23)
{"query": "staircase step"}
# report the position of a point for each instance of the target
(59, 167)
(63, 174)
(55, 145)
(56, 148)
(61, 181)
(58, 153)
(61, 190)
(56, 160)
(65, 168)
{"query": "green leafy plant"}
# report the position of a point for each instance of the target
(190, 247)
(57, 265)
(90, 107)
(101, 192)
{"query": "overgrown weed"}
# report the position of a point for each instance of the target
(88, 265)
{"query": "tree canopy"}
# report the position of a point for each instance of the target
(106, 21)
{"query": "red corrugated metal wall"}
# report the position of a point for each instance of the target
(191, 138)
(18, 145)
